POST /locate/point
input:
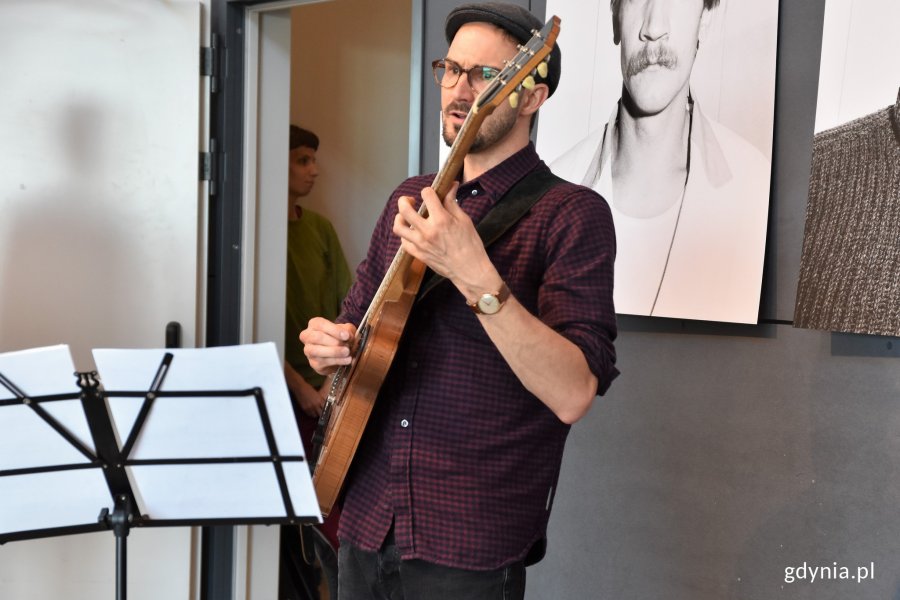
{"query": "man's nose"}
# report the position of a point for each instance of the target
(656, 20)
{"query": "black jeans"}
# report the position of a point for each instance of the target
(383, 575)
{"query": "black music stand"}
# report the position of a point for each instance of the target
(193, 442)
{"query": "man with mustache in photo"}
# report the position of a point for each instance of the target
(689, 196)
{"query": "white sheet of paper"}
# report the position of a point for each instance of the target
(207, 427)
(219, 491)
(27, 440)
(38, 501)
(39, 371)
(303, 495)
(51, 500)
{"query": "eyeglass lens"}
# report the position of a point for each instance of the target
(447, 74)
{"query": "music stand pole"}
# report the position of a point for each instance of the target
(120, 522)
(123, 504)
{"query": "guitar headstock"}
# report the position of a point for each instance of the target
(519, 72)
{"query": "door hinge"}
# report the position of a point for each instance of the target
(210, 63)
(208, 167)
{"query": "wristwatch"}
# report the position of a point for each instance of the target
(490, 303)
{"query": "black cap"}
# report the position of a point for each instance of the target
(514, 19)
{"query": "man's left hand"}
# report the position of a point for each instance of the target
(446, 240)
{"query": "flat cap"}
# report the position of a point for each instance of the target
(514, 19)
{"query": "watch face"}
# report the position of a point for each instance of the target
(489, 304)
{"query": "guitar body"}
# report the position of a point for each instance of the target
(355, 390)
(355, 387)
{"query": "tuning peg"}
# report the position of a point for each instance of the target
(514, 99)
(528, 82)
(543, 69)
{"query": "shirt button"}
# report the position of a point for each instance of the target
(404, 423)
(474, 192)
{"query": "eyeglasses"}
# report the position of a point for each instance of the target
(447, 74)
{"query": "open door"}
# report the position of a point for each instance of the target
(102, 237)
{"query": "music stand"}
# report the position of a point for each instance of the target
(194, 437)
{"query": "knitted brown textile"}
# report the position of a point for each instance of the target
(850, 266)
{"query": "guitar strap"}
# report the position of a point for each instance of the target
(514, 205)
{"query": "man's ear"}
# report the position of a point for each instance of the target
(533, 99)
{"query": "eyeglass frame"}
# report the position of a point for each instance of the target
(443, 62)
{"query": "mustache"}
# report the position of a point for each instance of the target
(648, 56)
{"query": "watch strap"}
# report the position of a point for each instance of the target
(502, 295)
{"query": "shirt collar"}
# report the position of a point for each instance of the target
(498, 180)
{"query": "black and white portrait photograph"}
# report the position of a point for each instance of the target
(850, 266)
(667, 110)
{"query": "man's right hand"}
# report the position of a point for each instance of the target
(327, 345)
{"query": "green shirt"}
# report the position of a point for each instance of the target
(317, 280)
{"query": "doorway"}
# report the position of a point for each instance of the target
(347, 77)
(342, 71)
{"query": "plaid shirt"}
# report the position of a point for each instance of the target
(457, 452)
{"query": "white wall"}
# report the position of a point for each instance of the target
(350, 85)
(99, 190)
(859, 73)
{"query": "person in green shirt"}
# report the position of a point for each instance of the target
(317, 278)
(317, 281)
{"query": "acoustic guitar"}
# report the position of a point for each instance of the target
(355, 387)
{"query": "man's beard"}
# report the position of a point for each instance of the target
(648, 56)
(493, 129)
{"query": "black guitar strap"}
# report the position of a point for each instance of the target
(514, 205)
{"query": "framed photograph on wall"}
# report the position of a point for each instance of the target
(666, 107)
(850, 265)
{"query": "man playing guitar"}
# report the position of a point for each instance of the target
(450, 491)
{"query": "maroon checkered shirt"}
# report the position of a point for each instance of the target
(457, 452)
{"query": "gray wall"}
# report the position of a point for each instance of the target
(725, 454)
